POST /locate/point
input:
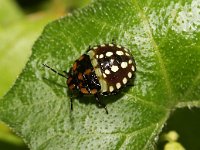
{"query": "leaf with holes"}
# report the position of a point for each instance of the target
(164, 38)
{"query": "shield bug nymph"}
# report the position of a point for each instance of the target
(103, 70)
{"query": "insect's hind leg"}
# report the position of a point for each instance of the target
(100, 103)
(71, 103)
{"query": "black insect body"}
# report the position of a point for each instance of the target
(102, 70)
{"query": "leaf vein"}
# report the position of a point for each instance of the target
(157, 50)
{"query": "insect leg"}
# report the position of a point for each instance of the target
(71, 103)
(100, 103)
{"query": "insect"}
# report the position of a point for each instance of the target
(103, 70)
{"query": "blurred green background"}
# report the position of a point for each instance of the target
(21, 22)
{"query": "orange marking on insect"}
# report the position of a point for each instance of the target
(74, 66)
(84, 91)
(93, 91)
(81, 58)
(80, 76)
(72, 86)
(69, 80)
(80, 85)
(88, 71)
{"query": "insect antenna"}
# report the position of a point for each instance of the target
(60, 74)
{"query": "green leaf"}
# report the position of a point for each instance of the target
(163, 36)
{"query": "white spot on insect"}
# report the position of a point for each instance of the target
(108, 54)
(119, 53)
(118, 85)
(119, 46)
(101, 56)
(130, 61)
(112, 61)
(110, 44)
(133, 68)
(127, 54)
(111, 88)
(124, 80)
(104, 75)
(95, 47)
(97, 56)
(114, 68)
(126, 50)
(124, 64)
(103, 45)
(107, 71)
(129, 74)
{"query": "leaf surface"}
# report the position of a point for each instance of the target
(164, 38)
